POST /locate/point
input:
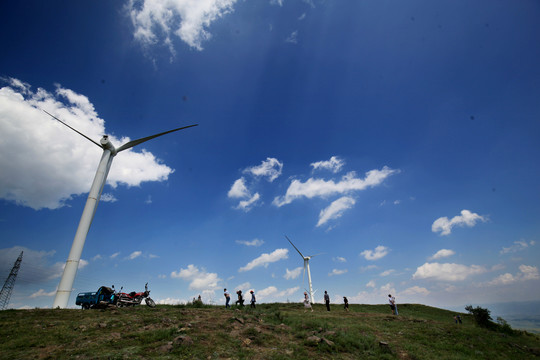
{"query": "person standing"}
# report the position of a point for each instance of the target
(345, 303)
(307, 303)
(392, 302)
(327, 300)
(227, 298)
(253, 300)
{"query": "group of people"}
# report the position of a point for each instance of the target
(240, 300)
(307, 302)
(327, 302)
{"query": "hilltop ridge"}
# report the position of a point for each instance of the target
(271, 331)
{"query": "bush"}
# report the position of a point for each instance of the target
(504, 326)
(481, 316)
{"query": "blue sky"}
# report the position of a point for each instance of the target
(399, 139)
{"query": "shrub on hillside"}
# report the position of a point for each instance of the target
(481, 316)
(504, 326)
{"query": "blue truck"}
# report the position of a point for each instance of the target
(96, 300)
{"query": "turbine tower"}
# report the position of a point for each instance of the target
(7, 289)
(306, 266)
(72, 263)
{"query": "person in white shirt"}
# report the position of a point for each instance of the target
(307, 303)
(227, 298)
(392, 302)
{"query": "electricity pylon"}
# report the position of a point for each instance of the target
(7, 289)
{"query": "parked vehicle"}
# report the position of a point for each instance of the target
(134, 298)
(99, 299)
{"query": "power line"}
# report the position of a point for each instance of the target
(7, 289)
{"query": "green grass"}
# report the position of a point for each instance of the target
(271, 331)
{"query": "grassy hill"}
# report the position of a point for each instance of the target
(272, 331)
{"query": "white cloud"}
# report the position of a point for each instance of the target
(292, 274)
(107, 197)
(246, 205)
(171, 301)
(239, 189)
(272, 292)
(529, 272)
(415, 290)
(340, 259)
(371, 284)
(289, 291)
(246, 285)
(57, 269)
(335, 209)
(367, 268)
(374, 295)
(31, 149)
(254, 242)
(387, 272)
(157, 21)
(267, 291)
(293, 38)
(334, 164)
(265, 259)
(200, 279)
(379, 252)
(467, 218)
(526, 273)
(97, 257)
(442, 254)
(337, 272)
(503, 279)
(276, 2)
(447, 271)
(270, 168)
(322, 188)
(36, 267)
(42, 292)
(518, 246)
(114, 255)
(134, 255)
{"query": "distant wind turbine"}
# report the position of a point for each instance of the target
(72, 263)
(306, 266)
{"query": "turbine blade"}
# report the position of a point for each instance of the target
(78, 132)
(133, 143)
(295, 247)
(310, 256)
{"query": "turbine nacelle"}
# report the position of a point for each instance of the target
(106, 144)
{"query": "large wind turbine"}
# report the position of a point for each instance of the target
(306, 266)
(72, 263)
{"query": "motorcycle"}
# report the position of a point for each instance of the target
(134, 298)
